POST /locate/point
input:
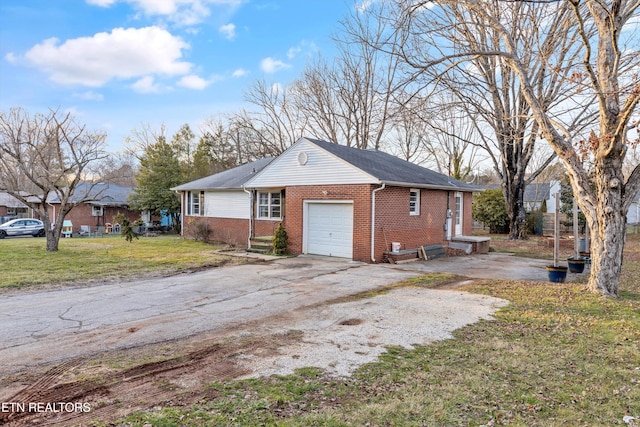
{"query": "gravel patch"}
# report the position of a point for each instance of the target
(341, 337)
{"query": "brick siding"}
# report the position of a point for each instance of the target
(82, 215)
(392, 224)
(395, 224)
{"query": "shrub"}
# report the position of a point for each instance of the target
(535, 222)
(490, 209)
(125, 226)
(201, 231)
(280, 240)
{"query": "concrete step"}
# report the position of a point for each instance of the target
(262, 244)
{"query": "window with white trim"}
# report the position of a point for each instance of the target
(97, 210)
(414, 201)
(195, 203)
(270, 205)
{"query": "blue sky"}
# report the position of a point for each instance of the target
(119, 64)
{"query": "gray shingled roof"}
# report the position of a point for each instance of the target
(392, 170)
(532, 192)
(537, 192)
(9, 201)
(227, 180)
(104, 194)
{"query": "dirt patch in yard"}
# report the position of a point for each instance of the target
(337, 337)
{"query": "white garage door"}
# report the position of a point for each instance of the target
(330, 229)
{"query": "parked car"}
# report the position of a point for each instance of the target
(22, 227)
(6, 218)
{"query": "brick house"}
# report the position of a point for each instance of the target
(97, 205)
(332, 200)
(10, 208)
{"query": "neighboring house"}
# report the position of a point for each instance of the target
(332, 200)
(535, 194)
(11, 208)
(102, 202)
(633, 214)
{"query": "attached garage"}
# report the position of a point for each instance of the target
(328, 229)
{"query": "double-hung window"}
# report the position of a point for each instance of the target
(414, 201)
(195, 203)
(270, 205)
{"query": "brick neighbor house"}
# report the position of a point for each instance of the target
(332, 200)
(97, 205)
(11, 208)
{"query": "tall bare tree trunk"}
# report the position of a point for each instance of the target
(608, 222)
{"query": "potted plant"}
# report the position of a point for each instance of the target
(557, 273)
(576, 264)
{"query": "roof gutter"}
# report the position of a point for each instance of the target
(373, 221)
(429, 186)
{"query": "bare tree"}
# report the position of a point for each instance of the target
(350, 101)
(449, 46)
(409, 138)
(454, 138)
(45, 156)
(606, 71)
(117, 168)
(277, 123)
(142, 137)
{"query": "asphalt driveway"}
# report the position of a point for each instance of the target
(45, 326)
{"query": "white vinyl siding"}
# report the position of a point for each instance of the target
(227, 204)
(414, 201)
(320, 168)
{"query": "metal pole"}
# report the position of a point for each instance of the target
(576, 247)
(556, 234)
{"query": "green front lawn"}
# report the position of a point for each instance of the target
(25, 261)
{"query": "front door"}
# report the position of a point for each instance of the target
(459, 208)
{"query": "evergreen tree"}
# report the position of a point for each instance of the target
(490, 209)
(160, 170)
(280, 239)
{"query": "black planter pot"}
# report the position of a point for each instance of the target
(557, 274)
(576, 265)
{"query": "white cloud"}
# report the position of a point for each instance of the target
(240, 72)
(89, 96)
(193, 82)
(308, 48)
(271, 65)
(101, 3)
(293, 51)
(183, 12)
(228, 31)
(121, 54)
(146, 85)
(364, 5)
(11, 58)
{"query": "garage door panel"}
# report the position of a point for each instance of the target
(330, 229)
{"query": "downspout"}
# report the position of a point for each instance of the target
(54, 214)
(448, 221)
(183, 210)
(250, 193)
(373, 221)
